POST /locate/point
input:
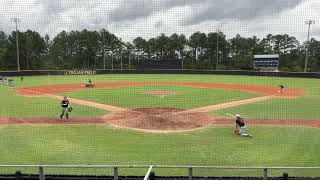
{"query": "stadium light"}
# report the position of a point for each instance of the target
(121, 59)
(309, 22)
(16, 20)
(104, 52)
(217, 53)
(130, 59)
(112, 60)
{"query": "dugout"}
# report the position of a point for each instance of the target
(268, 63)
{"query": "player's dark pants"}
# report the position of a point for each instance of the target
(65, 110)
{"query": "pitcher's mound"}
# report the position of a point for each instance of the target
(158, 119)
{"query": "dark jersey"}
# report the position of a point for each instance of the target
(65, 103)
(240, 122)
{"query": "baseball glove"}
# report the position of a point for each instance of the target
(70, 109)
(237, 131)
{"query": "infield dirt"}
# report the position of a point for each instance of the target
(161, 119)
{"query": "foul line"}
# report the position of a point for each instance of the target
(216, 107)
(89, 103)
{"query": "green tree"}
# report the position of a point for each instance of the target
(217, 48)
(314, 55)
(141, 46)
(197, 43)
(31, 47)
(3, 49)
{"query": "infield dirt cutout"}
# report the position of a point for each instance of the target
(162, 119)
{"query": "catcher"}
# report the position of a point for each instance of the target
(240, 127)
(65, 104)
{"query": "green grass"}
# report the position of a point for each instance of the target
(96, 144)
(134, 97)
(13, 105)
(261, 80)
(301, 108)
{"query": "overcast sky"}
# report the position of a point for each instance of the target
(149, 18)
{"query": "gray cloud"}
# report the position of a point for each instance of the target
(131, 18)
(130, 10)
(238, 9)
(202, 10)
(51, 8)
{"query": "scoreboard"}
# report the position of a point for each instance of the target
(266, 62)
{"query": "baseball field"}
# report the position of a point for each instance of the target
(162, 120)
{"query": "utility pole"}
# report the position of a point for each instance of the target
(104, 51)
(129, 60)
(121, 59)
(182, 63)
(309, 22)
(112, 61)
(217, 53)
(16, 20)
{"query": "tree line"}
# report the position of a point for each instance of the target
(103, 49)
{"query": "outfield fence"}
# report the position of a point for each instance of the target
(152, 170)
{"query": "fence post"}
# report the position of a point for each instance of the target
(115, 173)
(190, 173)
(265, 174)
(41, 173)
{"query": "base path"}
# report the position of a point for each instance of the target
(141, 127)
(216, 107)
(106, 107)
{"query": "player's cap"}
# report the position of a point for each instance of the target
(237, 115)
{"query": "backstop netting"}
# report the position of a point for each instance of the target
(150, 89)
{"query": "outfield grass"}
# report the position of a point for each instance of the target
(16, 106)
(134, 97)
(261, 80)
(96, 144)
(301, 108)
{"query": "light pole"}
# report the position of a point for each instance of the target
(104, 57)
(130, 59)
(112, 60)
(103, 44)
(16, 20)
(121, 59)
(182, 63)
(309, 22)
(104, 52)
(85, 57)
(217, 53)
